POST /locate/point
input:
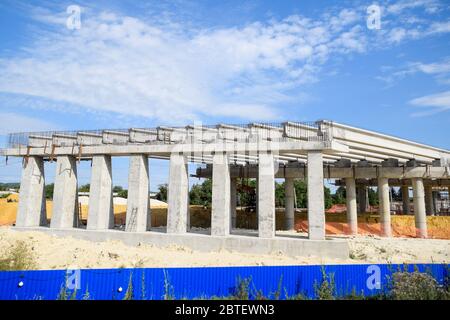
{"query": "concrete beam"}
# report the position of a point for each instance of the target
(316, 207)
(178, 195)
(352, 215)
(32, 211)
(166, 149)
(65, 197)
(384, 207)
(419, 208)
(220, 207)
(138, 217)
(289, 190)
(266, 195)
(101, 214)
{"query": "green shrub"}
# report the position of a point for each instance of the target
(416, 286)
(18, 257)
(327, 288)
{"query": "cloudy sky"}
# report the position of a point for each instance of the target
(143, 64)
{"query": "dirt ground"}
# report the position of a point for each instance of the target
(59, 253)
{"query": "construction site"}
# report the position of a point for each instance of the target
(227, 154)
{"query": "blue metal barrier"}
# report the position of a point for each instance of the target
(189, 283)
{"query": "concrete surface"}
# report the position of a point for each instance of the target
(138, 217)
(292, 246)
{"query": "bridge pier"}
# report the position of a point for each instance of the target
(65, 194)
(32, 210)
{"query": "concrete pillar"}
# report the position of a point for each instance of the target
(352, 215)
(178, 195)
(289, 213)
(429, 200)
(362, 199)
(32, 211)
(221, 189)
(138, 217)
(316, 206)
(233, 202)
(266, 195)
(405, 199)
(65, 195)
(384, 207)
(419, 208)
(101, 214)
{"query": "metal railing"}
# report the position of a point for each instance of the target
(283, 131)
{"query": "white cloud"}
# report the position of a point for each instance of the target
(156, 68)
(175, 73)
(437, 102)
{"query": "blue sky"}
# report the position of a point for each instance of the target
(149, 63)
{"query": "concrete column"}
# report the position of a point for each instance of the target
(138, 209)
(233, 202)
(429, 200)
(178, 195)
(352, 215)
(316, 206)
(266, 195)
(405, 199)
(65, 195)
(362, 199)
(32, 211)
(384, 207)
(221, 189)
(289, 213)
(101, 214)
(419, 208)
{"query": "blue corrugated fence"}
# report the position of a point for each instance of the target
(188, 283)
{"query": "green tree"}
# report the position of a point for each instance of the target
(280, 195)
(246, 190)
(117, 189)
(123, 193)
(84, 188)
(162, 192)
(340, 196)
(373, 197)
(201, 194)
(328, 198)
(49, 188)
(301, 193)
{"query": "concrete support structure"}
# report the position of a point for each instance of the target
(221, 189)
(289, 207)
(384, 207)
(101, 214)
(419, 208)
(233, 202)
(178, 195)
(362, 199)
(138, 217)
(405, 199)
(32, 211)
(316, 206)
(266, 195)
(429, 205)
(65, 195)
(352, 215)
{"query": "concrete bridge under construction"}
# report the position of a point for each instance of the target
(312, 151)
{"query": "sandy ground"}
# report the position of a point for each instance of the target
(59, 253)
